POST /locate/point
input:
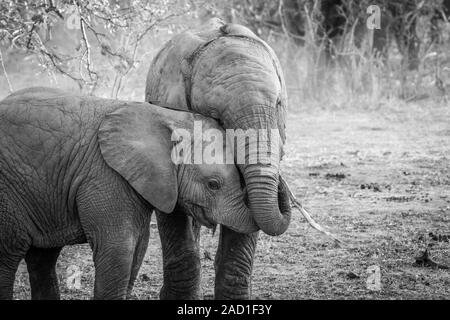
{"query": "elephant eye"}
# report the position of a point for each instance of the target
(214, 184)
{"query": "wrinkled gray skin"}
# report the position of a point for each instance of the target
(226, 72)
(77, 169)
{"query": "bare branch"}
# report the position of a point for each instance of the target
(87, 54)
(307, 216)
(4, 72)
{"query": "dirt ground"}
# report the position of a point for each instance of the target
(379, 179)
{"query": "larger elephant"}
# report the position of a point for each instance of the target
(226, 72)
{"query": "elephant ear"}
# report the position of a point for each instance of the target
(165, 79)
(136, 143)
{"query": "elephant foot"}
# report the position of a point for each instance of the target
(168, 293)
(233, 288)
(182, 279)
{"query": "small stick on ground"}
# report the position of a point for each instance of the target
(425, 261)
(307, 216)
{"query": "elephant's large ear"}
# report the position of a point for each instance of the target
(136, 142)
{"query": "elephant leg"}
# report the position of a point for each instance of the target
(14, 243)
(139, 255)
(8, 268)
(234, 264)
(181, 257)
(41, 265)
(111, 222)
(113, 265)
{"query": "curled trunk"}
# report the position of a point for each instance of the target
(268, 200)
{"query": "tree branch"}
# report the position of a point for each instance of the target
(4, 72)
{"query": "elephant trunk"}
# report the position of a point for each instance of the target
(267, 198)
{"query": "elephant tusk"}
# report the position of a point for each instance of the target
(307, 216)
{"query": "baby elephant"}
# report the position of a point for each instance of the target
(77, 169)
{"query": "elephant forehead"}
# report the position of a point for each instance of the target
(238, 74)
(226, 171)
(226, 50)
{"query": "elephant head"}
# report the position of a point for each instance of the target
(226, 72)
(149, 147)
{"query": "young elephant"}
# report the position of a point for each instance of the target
(77, 169)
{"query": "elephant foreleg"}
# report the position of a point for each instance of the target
(110, 224)
(41, 265)
(234, 264)
(113, 264)
(181, 257)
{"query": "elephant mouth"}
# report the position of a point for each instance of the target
(203, 219)
(198, 212)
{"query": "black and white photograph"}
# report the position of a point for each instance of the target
(255, 150)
